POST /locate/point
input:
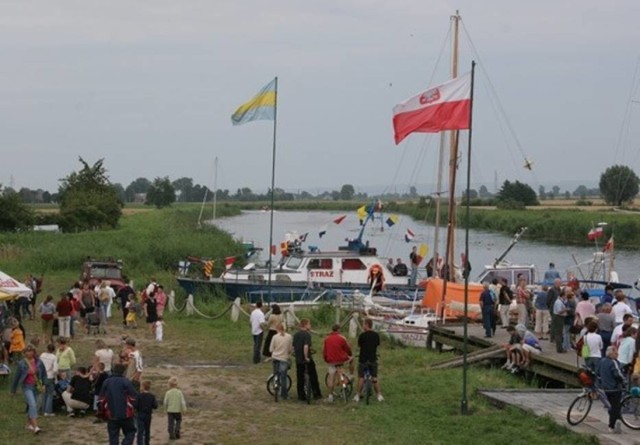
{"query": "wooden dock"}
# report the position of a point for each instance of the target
(561, 367)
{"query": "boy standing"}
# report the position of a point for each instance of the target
(145, 404)
(174, 405)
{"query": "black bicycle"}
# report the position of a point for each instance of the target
(273, 385)
(368, 382)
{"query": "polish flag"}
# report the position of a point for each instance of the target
(408, 236)
(595, 233)
(228, 262)
(444, 107)
(609, 246)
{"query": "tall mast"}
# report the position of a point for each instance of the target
(453, 162)
(215, 187)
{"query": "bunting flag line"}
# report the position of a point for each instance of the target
(409, 235)
(303, 237)
(323, 232)
(339, 219)
(261, 107)
(595, 233)
(362, 213)
(392, 220)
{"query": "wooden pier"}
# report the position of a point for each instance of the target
(561, 367)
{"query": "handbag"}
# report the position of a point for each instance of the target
(39, 382)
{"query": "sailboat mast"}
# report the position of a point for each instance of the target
(453, 163)
(436, 233)
(215, 186)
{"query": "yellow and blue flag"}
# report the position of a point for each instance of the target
(392, 220)
(261, 107)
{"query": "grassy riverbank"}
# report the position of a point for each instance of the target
(228, 400)
(229, 404)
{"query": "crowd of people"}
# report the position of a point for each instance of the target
(107, 384)
(279, 346)
(602, 334)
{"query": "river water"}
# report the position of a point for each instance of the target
(484, 247)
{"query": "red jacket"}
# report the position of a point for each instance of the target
(336, 349)
(64, 308)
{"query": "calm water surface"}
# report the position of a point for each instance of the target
(484, 247)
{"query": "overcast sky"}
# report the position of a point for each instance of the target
(150, 87)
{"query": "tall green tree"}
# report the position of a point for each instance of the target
(346, 192)
(15, 214)
(619, 184)
(88, 200)
(161, 193)
(518, 193)
(139, 186)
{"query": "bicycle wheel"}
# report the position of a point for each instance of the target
(579, 409)
(368, 389)
(347, 386)
(630, 413)
(270, 384)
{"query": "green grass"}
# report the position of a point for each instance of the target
(230, 404)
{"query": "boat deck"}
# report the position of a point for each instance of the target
(550, 364)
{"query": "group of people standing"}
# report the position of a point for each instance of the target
(279, 345)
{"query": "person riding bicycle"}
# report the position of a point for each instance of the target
(281, 348)
(302, 350)
(368, 342)
(336, 352)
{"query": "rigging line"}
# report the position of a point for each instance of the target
(625, 121)
(493, 90)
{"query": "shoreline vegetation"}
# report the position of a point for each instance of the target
(228, 400)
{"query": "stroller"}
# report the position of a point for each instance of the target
(93, 324)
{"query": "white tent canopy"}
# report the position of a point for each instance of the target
(11, 286)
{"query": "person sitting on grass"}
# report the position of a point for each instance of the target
(78, 393)
(514, 350)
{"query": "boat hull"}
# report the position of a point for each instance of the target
(283, 292)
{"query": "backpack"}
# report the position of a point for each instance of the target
(582, 348)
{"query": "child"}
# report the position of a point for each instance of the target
(514, 350)
(98, 376)
(174, 405)
(158, 327)
(145, 404)
(17, 341)
(132, 310)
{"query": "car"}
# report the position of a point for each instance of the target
(95, 271)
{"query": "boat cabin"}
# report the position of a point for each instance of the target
(509, 271)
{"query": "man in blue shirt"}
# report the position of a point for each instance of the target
(612, 382)
(119, 393)
(551, 274)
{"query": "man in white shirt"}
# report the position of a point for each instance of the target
(627, 320)
(620, 307)
(257, 319)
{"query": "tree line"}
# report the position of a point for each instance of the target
(89, 201)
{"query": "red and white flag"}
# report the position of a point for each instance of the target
(228, 262)
(444, 107)
(609, 246)
(409, 235)
(595, 233)
(339, 219)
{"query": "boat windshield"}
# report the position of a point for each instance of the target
(293, 262)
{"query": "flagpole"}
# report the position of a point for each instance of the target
(273, 179)
(464, 404)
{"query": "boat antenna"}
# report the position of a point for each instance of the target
(514, 241)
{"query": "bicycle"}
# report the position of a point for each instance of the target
(273, 385)
(630, 409)
(581, 405)
(345, 384)
(368, 382)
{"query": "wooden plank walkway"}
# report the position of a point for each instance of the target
(561, 367)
